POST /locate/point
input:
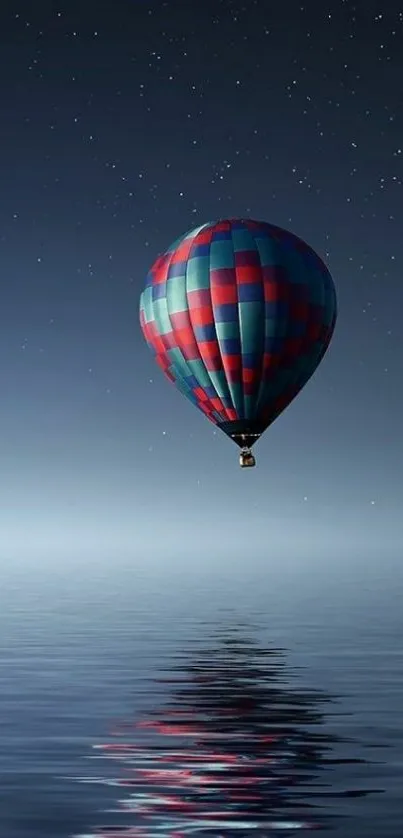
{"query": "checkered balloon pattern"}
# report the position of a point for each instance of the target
(239, 314)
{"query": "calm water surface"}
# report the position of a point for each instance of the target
(199, 703)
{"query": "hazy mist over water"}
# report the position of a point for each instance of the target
(89, 646)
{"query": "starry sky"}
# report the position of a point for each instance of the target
(123, 124)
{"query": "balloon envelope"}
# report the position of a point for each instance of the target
(239, 314)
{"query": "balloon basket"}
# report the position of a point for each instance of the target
(246, 458)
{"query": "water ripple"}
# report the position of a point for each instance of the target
(238, 746)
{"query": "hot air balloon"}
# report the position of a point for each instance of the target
(239, 314)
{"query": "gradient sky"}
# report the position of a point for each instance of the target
(123, 124)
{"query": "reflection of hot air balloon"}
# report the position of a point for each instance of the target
(237, 748)
(239, 314)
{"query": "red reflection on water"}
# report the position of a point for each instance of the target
(240, 750)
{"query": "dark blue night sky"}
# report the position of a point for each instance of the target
(123, 125)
